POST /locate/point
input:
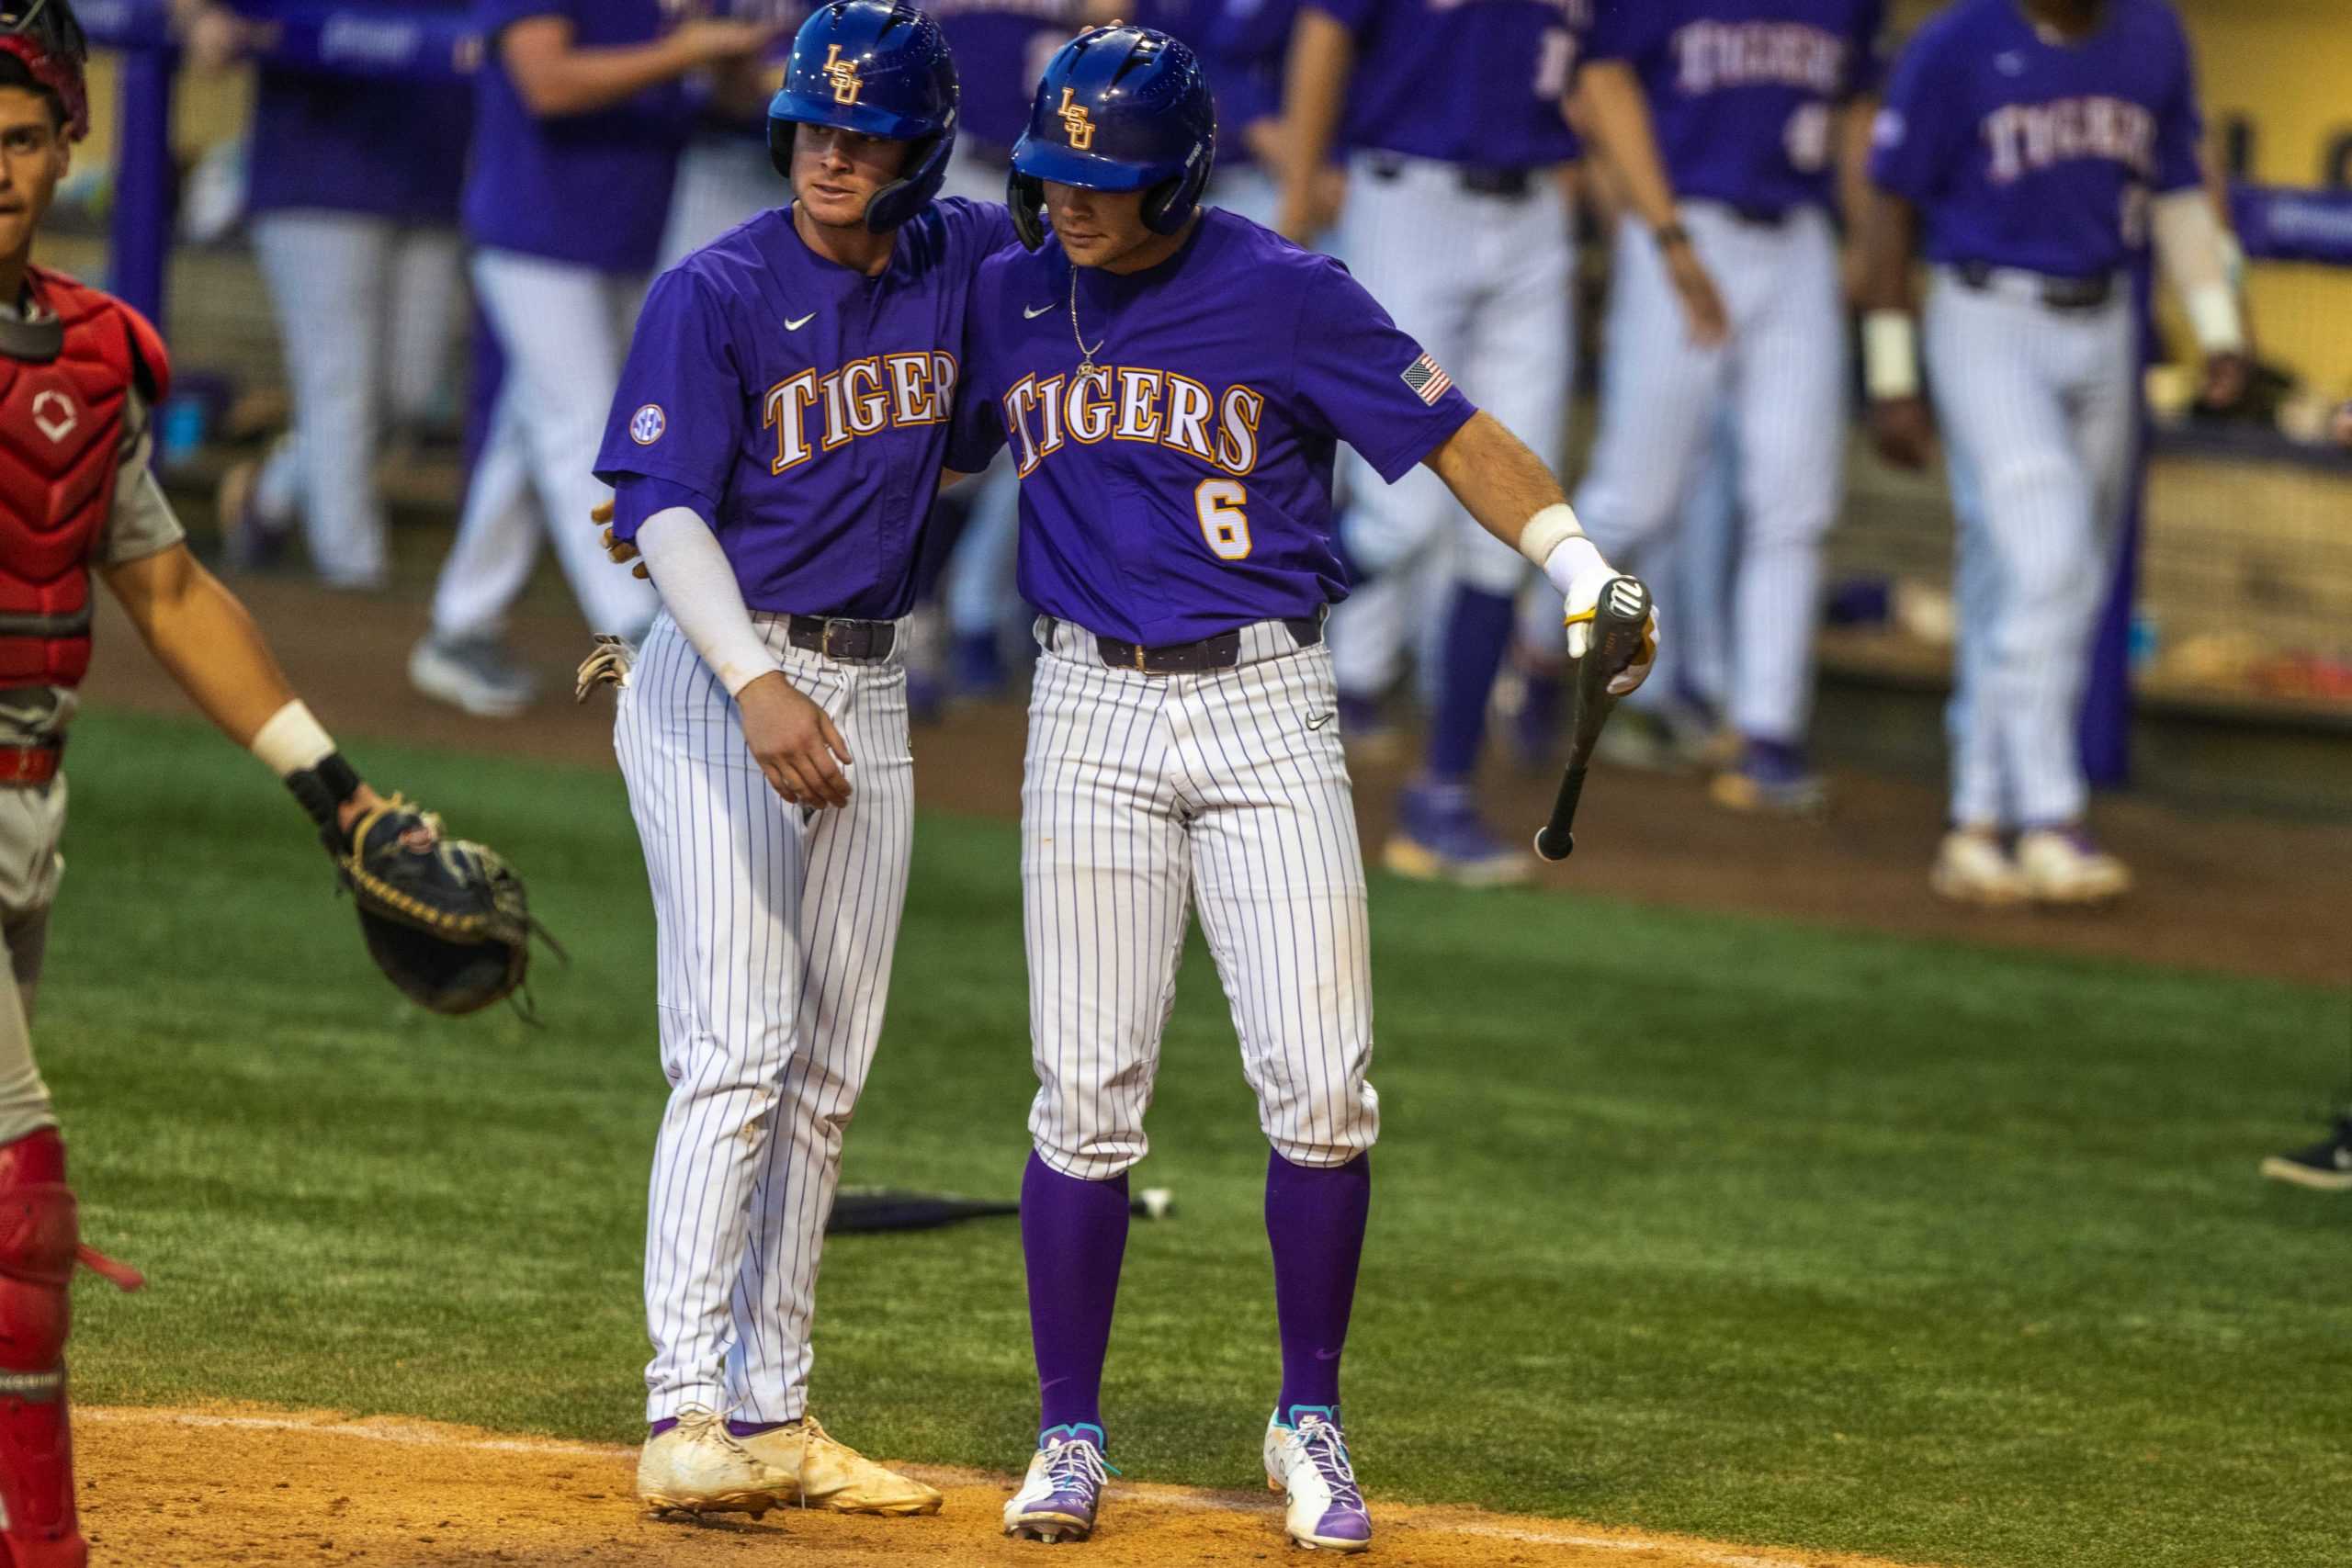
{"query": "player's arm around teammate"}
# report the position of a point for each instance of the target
(2028, 148)
(1173, 383)
(774, 447)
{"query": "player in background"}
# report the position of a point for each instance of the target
(2027, 147)
(81, 374)
(1457, 217)
(724, 174)
(580, 112)
(1173, 381)
(351, 200)
(1731, 127)
(776, 446)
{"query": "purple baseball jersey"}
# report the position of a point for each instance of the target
(1001, 49)
(341, 143)
(1183, 487)
(1476, 82)
(1742, 92)
(2023, 152)
(801, 407)
(589, 189)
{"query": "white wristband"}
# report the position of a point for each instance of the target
(2212, 310)
(1547, 529)
(290, 740)
(1573, 559)
(1890, 355)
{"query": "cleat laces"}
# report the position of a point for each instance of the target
(1072, 1466)
(1328, 1451)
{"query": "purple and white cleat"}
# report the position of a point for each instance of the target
(1309, 1463)
(1058, 1498)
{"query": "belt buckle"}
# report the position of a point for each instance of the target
(835, 639)
(1143, 659)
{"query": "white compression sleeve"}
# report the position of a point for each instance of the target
(699, 587)
(2196, 255)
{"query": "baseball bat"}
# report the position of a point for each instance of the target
(872, 1209)
(1617, 623)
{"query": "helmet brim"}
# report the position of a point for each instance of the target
(1064, 165)
(801, 108)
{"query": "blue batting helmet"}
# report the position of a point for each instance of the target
(1122, 107)
(879, 68)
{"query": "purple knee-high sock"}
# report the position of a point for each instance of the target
(1476, 636)
(1074, 1235)
(1315, 1218)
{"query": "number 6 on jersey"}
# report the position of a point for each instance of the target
(1218, 504)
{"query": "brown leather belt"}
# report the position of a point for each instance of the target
(2057, 293)
(852, 642)
(31, 764)
(1222, 651)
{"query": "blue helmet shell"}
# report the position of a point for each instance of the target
(879, 68)
(1121, 107)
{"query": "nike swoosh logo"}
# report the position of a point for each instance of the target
(1319, 723)
(1029, 315)
(795, 326)
(1327, 1355)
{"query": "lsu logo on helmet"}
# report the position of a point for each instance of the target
(842, 75)
(1076, 121)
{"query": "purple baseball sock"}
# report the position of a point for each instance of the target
(1315, 1218)
(1074, 1235)
(1477, 637)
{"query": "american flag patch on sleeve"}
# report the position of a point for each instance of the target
(1428, 379)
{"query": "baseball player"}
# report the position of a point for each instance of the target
(2035, 143)
(724, 174)
(1173, 383)
(81, 374)
(351, 192)
(1727, 124)
(580, 113)
(1456, 215)
(776, 446)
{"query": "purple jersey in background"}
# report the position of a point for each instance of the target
(593, 189)
(2025, 153)
(1742, 92)
(1183, 487)
(1243, 46)
(1001, 49)
(1474, 82)
(338, 143)
(801, 408)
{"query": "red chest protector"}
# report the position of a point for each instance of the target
(64, 387)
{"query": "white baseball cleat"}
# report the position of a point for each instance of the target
(696, 1467)
(1309, 1463)
(1063, 1491)
(2063, 865)
(832, 1475)
(1972, 868)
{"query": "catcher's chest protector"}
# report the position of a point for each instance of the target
(61, 429)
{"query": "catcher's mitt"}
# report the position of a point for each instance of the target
(446, 921)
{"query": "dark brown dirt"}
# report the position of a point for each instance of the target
(2237, 893)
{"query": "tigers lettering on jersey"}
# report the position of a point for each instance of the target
(883, 392)
(2027, 137)
(1713, 55)
(1100, 402)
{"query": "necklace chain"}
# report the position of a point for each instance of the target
(1086, 354)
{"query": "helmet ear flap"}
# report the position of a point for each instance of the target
(780, 145)
(1025, 198)
(908, 194)
(1168, 204)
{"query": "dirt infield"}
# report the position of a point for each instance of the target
(2238, 893)
(243, 1485)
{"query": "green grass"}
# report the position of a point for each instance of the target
(1701, 1223)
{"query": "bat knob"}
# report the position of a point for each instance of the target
(1554, 848)
(1158, 1203)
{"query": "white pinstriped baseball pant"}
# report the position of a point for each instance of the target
(1142, 793)
(776, 936)
(2041, 411)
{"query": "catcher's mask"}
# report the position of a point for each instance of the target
(45, 36)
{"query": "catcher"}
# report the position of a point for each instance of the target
(79, 375)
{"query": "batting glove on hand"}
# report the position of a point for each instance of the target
(1578, 571)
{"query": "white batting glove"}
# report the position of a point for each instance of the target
(1578, 571)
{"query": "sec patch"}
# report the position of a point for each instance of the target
(646, 425)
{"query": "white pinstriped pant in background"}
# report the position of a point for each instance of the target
(1483, 282)
(2040, 410)
(1783, 374)
(1141, 794)
(777, 932)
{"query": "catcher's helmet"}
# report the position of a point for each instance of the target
(1121, 107)
(46, 37)
(879, 68)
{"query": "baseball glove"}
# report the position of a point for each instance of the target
(447, 920)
